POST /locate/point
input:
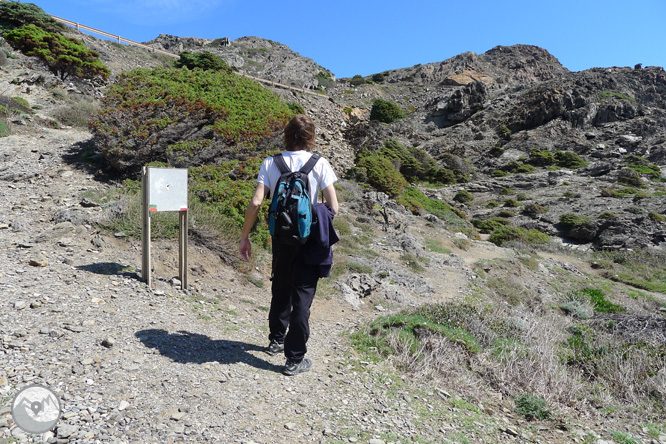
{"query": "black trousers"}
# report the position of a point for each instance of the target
(293, 289)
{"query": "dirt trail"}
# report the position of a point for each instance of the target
(134, 364)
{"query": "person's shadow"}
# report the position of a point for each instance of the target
(193, 348)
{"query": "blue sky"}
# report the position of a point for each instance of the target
(365, 37)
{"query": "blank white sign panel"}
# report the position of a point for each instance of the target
(168, 189)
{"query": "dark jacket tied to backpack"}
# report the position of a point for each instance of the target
(318, 249)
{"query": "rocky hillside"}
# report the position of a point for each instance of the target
(138, 364)
(493, 110)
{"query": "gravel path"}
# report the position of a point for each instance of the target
(138, 365)
(133, 364)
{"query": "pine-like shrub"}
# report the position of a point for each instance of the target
(64, 56)
(385, 111)
(184, 117)
(15, 14)
(202, 60)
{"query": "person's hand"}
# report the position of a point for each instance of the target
(245, 249)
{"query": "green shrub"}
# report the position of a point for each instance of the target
(506, 213)
(605, 95)
(607, 215)
(385, 111)
(618, 193)
(503, 235)
(202, 60)
(5, 129)
(324, 79)
(504, 132)
(296, 108)
(517, 168)
(489, 225)
(643, 166)
(532, 407)
(22, 102)
(15, 14)
(572, 220)
(200, 115)
(463, 196)
(630, 177)
(599, 301)
(416, 201)
(413, 163)
(378, 78)
(656, 217)
(77, 114)
(568, 159)
(540, 158)
(496, 151)
(357, 80)
(533, 210)
(511, 203)
(64, 56)
(381, 173)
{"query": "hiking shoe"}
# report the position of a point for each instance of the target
(293, 368)
(274, 348)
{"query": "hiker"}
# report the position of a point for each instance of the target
(294, 276)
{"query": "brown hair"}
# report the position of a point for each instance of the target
(299, 134)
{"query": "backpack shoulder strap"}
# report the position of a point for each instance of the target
(281, 164)
(310, 163)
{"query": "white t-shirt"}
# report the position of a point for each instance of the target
(321, 176)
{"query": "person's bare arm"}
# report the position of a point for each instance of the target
(331, 199)
(245, 248)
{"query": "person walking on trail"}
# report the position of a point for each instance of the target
(294, 273)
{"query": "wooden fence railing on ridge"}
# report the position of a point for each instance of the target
(119, 39)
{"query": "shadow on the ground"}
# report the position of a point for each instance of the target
(193, 348)
(109, 269)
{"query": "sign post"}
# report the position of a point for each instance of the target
(164, 189)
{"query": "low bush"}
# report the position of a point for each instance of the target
(381, 173)
(517, 168)
(533, 210)
(15, 14)
(385, 111)
(569, 221)
(599, 301)
(656, 217)
(64, 56)
(189, 117)
(568, 159)
(5, 129)
(489, 225)
(630, 177)
(201, 60)
(539, 158)
(358, 80)
(391, 167)
(463, 196)
(532, 407)
(507, 234)
(76, 114)
(416, 201)
(643, 166)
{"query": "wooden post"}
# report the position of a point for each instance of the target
(145, 227)
(182, 250)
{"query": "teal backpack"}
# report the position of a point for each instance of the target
(290, 215)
